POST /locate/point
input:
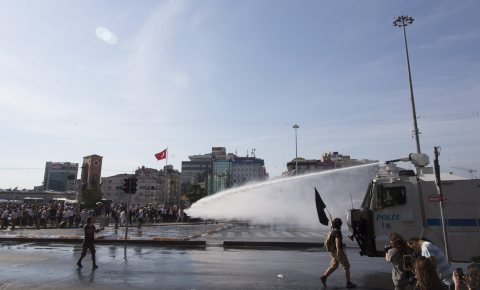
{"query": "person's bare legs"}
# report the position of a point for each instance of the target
(347, 274)
(330, 270)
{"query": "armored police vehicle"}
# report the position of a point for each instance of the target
(409, 203)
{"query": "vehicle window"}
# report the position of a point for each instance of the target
(393, 196)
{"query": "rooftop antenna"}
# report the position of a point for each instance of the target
(253, 152)
(247, 153)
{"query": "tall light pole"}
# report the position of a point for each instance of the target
(403, 21)
(296, 157)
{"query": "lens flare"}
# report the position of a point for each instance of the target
(105, 35)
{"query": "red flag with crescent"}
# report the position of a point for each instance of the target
(161, 155)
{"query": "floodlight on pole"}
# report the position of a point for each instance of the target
(403, 21)
(296, 157)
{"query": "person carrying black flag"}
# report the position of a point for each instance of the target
(333, 243)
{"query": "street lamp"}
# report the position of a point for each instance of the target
(296, 157)
(403, 21)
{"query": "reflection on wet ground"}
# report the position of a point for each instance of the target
(157, 267)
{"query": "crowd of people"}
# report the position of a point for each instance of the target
(148, 213)
(417, 264)
(57, 215)
(420, 265)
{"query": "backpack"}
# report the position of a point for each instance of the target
(330, 244)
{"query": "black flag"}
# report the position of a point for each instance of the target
(322, 217)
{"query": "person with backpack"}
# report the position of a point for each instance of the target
(395, 256)
(334, 245)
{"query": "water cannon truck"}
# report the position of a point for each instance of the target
(408, 202)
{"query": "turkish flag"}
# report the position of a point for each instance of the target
(161, 155)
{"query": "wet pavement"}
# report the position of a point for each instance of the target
(212, 266)
(212, 234)
(51, 266)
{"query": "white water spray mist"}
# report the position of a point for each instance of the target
(289, 201)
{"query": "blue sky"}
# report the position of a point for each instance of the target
(192, 75)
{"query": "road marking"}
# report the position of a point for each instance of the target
(274, 235)
(245, 235)
(303, 235)
(216, 236)
(231, 235)
(315, 234)
(260, 235)
(288, 234)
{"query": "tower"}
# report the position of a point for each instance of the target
(91, 172)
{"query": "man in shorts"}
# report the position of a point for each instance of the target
(338, 256)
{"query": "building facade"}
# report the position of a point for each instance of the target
(222, 175)
(60, 176)
(199, 170)
(219, 170)
(328, 161)
(150, 186)
(246, 169)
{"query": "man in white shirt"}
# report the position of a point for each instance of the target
(83, 218)
(43, 218)
(5, 219)
(71, 214)
(140, 218)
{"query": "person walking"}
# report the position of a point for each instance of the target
(437, 257)
(83, 218)
(395, 256)
(140, 218)
(5, 215)
(122, 217)
(43, 218)
(337, 253)
(114, 214)
(71, 215)
(87, 244)
(13, 219)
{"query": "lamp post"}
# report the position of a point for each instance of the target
(403, 21)
(296, 157)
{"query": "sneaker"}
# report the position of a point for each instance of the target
(351, 285)
(79, 265)
(324, 280)
(94, 266)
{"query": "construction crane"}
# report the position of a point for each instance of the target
(469, 170)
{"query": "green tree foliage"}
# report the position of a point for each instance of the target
(90, 197)
(195, 193)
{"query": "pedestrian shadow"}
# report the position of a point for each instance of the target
(87, 277)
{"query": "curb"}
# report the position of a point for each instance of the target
(133, 240)
(273, 244)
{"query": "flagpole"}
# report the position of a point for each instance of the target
(166, 168)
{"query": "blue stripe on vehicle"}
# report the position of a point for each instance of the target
(454, 222)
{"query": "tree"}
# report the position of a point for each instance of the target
(90, 197)
(195, 193)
